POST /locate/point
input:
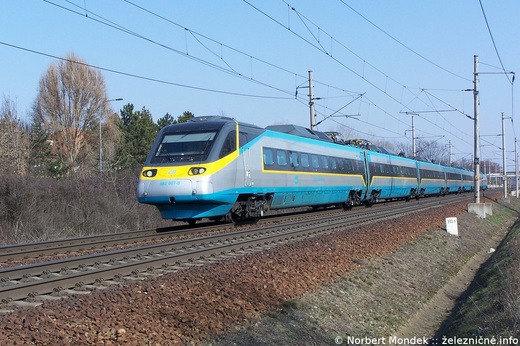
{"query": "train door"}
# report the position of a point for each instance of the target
(365, 156)
(246, 158)
(393, 173)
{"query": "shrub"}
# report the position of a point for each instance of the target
(36, 209)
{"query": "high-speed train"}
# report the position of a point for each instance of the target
(215, 167)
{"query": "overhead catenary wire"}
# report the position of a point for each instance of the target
(323, 50)
(130, 32)
(151, 79)
(402, 44)
(493, 41)
(263, 61)
(228, 70)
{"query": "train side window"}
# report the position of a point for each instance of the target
(293, 158)
(281, 158)
(315, 161)
(350, 166)
(341, 165)
(324, 162)
(305, 160)
(359, 167)
(230, 144)
(333, 165)
(268, 157)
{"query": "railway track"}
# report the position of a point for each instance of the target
(31, 284)
(17, 254)
(41, 250)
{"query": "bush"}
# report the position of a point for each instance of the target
(37, 209)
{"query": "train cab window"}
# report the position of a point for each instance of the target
(293, 158)
(268, 157)
(230, 144)
(305, 160)
(315, 161)
(181, 146)
(324, 162)
(281, 158)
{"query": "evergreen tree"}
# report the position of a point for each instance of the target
(166, 120)
(185, 117)
(41, 158)
(138, 132)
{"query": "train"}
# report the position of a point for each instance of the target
(218, 168)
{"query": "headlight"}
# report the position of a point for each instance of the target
(150, 173)
(196, 170)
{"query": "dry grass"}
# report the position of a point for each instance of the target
(37, 209)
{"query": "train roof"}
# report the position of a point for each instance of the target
(300, 131)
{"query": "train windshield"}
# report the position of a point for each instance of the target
(188, 146)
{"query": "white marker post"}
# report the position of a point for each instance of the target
(451, 226)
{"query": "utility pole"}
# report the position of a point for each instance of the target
(414, 147)
(504, 156)
(476, 155)
(449, 153)
(311, 102)
(516, 171)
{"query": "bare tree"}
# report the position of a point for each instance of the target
(432, 151)
(404, 149)
(70, 106)
(14, 138)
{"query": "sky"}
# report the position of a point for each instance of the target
(374, 63)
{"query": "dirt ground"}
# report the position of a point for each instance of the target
(405, 294)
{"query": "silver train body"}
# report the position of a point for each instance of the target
(217, 168)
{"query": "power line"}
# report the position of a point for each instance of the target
(130, 32)
(197, 37)
(402, 44)
(493, 40)
(143, 77)
(324, 51)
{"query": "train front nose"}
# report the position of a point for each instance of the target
(170, 191)
(184, 199)
(163, 191)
